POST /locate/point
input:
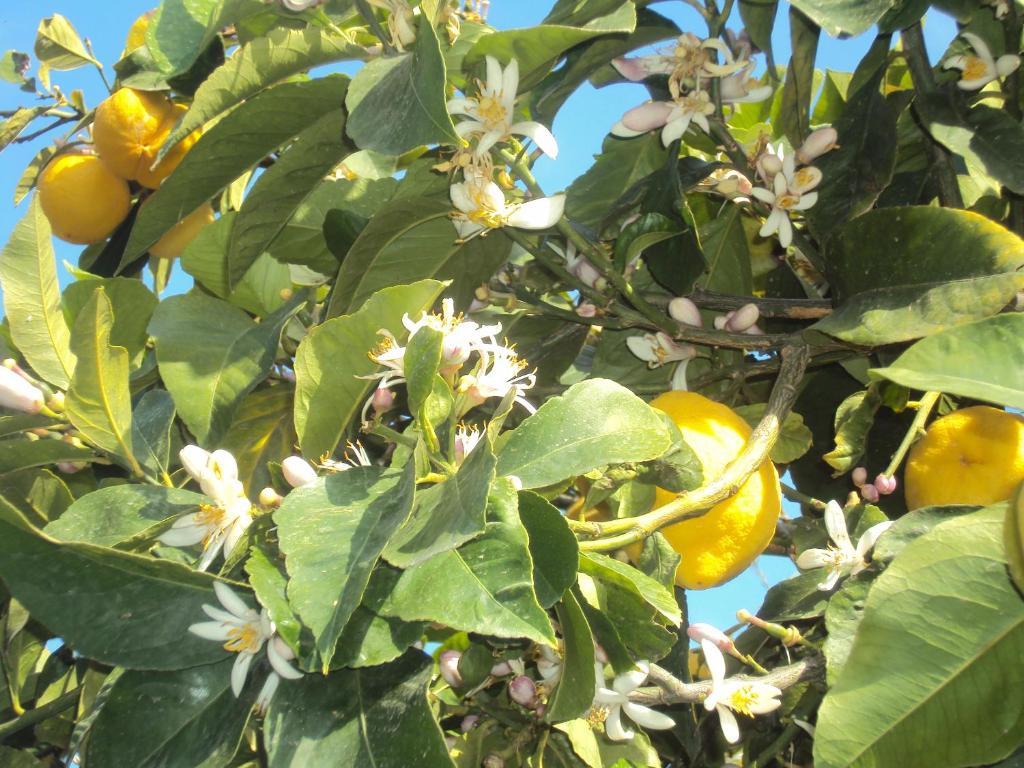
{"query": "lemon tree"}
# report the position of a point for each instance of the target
(348, 440)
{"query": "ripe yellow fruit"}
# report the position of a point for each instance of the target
(83, 200)
(720, 544)
(130, 128)
(177, 238)
(137, 33)
(971, 456)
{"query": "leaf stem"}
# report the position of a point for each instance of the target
(924, 409)
(802, 498)
(39, 714)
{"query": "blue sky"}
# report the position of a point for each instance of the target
(580, 128)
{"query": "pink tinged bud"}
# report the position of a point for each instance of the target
(476, 305)
(885, 484)
(270, 498)
(859, 476)
(699, 632)
(468, 722)
(383, 400)
(869, 493)
(600, 654)
(449, 664)
(501, 669)
(722, 321)
(683, 310)
(817, 144)
(586, 309)
(743, 318)
(523, 691)
(70, 467)
(17, 394)
(769, 165)
(298, 472)
(631, 69)
(493, 761)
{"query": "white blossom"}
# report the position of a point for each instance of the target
(615, 701)
(491, 112)
(673, 117)
(691, 59)
(790, 192)
(977, 71)
(741, 88)
(298, 472)
(18, 394)
(658, 349)
(498, 372)
(843, 555)
(480, 206)
(400, 21)
(748, 697)
(466, 439)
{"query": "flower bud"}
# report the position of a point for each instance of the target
(743, 318)
(449, 664)
(885, 484)
(270, 498)
(194, 459)
(286, 294)
(298, 472)
(517, 484)
(769, 165)
(859, 476)
(70, 467)
(56, 402)
(817, 144)
(600, 655)
(722, 321)
(523, 691)
(683, 310)
(501, 669)
(869, 493)
(700, 632)
(586, 309)
(468, 722)
(17, 394)
(493, 761)
(383, 400)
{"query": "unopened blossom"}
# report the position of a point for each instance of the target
(615, 701)
(819, 142)
(382, 401)
(298, 472)
(299, 5)
(869, 493)
(219, 525)
(579, 265)
(481, 206)
(245, 631)
(18, 394)
(499, 372)
(742, 320)
(741, 88)
(885, 484)
(466, 439)
(522, 690)
(748, 697)
(400, 21)
(859, 476)
(549, 666)
(843, 556)
(730, 183)
(981, 68)
(491, 112)
(673, 117)
(683, 310)
(270, 498)
(701, 632)
(448, 665)
(658, 349)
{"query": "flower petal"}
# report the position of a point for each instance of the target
(785, 230)
(631, 69)
(674, 129)
(764, 195)
(279, 662)
(715, 661)
(678, 381)
(730, 728)
(230, 600)
(1007, 64)
(870, 536)
(646, 717)
(210, 630)
(194, 459)
(461, 106)
(613, 726)
(184, 535)
(494, 75)
(813, 558)
(630, 681)
(647, 117)
(267, 691)
(835, 524)
(540, 135)
(830, 581)
(239, 671)
(538, 214)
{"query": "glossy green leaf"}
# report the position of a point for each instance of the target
(758, 19)
(486, 584)
(1013, 537)
(185, 717)
(236, 143)
(397, 103)
(28, 276)
(132, 304)
(332, 534)
(615, 572)
(726, 253)
(413, 239)
(377, 716)
(38, 494)
(12, 127)
(596, 422)
(261, 432)
(369, 640)
(329, 393)
(842, 617)
(795, 438)
(854, 419)
(420, 364)
(58, 46)
(211, 356)
(115, 514)
(553, 548)
(795, 598)
(648, 230)
(280, 190)
(270, 583)
(447, 514)
(181, 29)
(114, 607)
(574, 694)
(849, 17)
(22, 453)
(152, 425)
(798, 89)
(98, 401)
(913, 525)
(891, 247)
(258, 64)
(979, 360)
(935, 654)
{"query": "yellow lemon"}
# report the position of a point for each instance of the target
(83, 200)
(720, 544)
(177, 238)
(137, 33)
(130, 128)
(971, 456)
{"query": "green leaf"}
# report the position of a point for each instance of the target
(333, 356)
(261, 433)
(369, 640)
(132, 304)
(99, 403)
(181, 29)
(281, 189)
(354, 718)
(553, 548)
(659, 560)
(22, 453)
(842, 617)
(228, 149)
(116, 514)
(758, 19)
(114, 607)
(979, 360)
(184, 717)
(485, 586)
(795, 438)
(12, 127)
(258, 64)
(13, 66)
(28, 276)
(413, 239)
(798, 90)
(38, 494)
(913, 525)
(17, 758)
(891, 247)
(574, 694)
(648, 230)
(332, 534)
(854, 419)
(595, 423)
(397, 103)
(420, 363)
(628, 578)
(269, 582)
(621, 164)
(446, 514)
(58, 46)
(795, 598)
(942, 630)
(152, 423)
(727, 253)
(890, 315)
(844, 17)
(211, 356)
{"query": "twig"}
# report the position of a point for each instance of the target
(791, 309)
(808, 501)
(39, 714)
(615, 534)
(924, 409)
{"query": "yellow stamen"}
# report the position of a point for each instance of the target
(244, 638)
(742, 699)
(974, 68)
(491, 111)
(596, 715)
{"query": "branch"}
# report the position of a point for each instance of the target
(671, 690)
(615, 534)
(791, 309)
(39, 714)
